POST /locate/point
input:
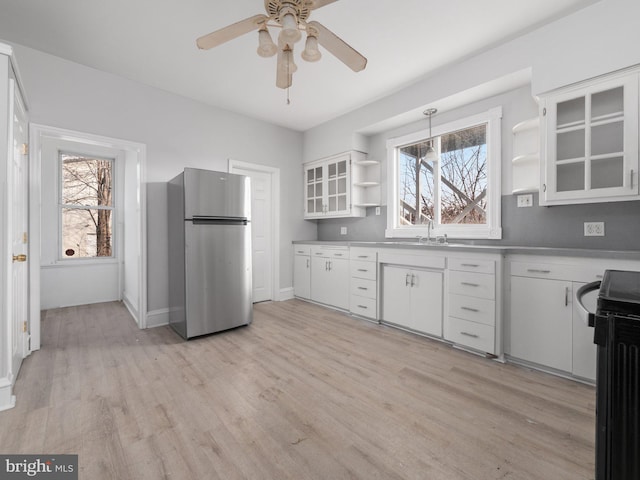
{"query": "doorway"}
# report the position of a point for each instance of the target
(265, 227)
(118, 274)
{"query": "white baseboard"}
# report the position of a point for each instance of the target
(158, 318)
(7, 398)
(286, 294)
(131, 307)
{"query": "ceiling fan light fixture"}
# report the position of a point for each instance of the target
(266, 47)
(290, 32)
(311, 52)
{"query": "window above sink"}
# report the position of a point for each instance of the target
(457, 195)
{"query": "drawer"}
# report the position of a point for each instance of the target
(302, 249)
(360, 269)
(472, 265)
(330, 252)
(478, 285)
(363, 254)
(365, 307)
(477, 310)
(473, 335)
(364, 288)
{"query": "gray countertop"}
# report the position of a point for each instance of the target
(500, 249)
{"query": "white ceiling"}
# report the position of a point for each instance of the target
(153, 42)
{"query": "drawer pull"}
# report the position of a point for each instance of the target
(363, 256)
(469, 309)
(363, 270)
(363, 288)
(535, 270)
(474, 265)
(337, 254)
(472, 335)
(300, 251)
(469, 284)
(362, 306)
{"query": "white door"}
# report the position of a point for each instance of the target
(19, 297)
(262, 228)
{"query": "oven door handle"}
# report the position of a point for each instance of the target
(582, 291)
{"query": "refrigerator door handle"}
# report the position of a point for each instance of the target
(219, 220)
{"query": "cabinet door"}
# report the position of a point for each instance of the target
(339, 283)
(314, 178)
(302, 276)
(426, 302)
(330, 281)
(320, 281)
(396, 289)
(338, 186)
(592, 142)
(541, 321)
(584, 350)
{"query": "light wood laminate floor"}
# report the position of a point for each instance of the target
(303, 393)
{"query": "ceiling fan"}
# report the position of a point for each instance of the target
(291, 16)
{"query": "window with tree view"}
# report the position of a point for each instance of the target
(450, 191)
(86, 207)
(455, 192)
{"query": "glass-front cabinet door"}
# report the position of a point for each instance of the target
(314, 179)
(327, 187)
(337, 195)
(592, 143)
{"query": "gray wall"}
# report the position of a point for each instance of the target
(557, 226)
(178, 132)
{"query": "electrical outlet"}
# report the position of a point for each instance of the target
(377, 210)
(343, 230)
(525, 200)
(594, 229)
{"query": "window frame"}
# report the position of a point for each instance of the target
(492, 229)
(113, 208)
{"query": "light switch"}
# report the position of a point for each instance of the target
(343, 230)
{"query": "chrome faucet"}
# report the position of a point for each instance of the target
(429, 228)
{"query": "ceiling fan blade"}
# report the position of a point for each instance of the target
(315, 4)
(230, 32)
(339, 48)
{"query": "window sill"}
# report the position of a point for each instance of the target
(82, 263)
(460, 232)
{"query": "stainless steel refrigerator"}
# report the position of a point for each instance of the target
(209, 252)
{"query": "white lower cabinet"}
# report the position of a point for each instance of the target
(330, 277)
(364, 286)
(471, 320)
(302, 271)
(542, 322)
(412, 298)
(546, 326)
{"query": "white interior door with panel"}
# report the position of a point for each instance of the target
(19, 189)
(264, 227)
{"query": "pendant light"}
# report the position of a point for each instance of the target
(431, 154)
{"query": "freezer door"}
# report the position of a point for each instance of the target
(216, 194)
(218, 277)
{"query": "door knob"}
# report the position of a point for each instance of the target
(20, 258)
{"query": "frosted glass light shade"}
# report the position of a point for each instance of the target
(311, 52)
(290, 33)
(431, 154)
(266, 47)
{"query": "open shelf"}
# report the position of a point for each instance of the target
(366, 163)
(367, 184)
(526, 158)
(526, 125)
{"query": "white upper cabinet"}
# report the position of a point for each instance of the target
(339, 186)
(591, 142)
